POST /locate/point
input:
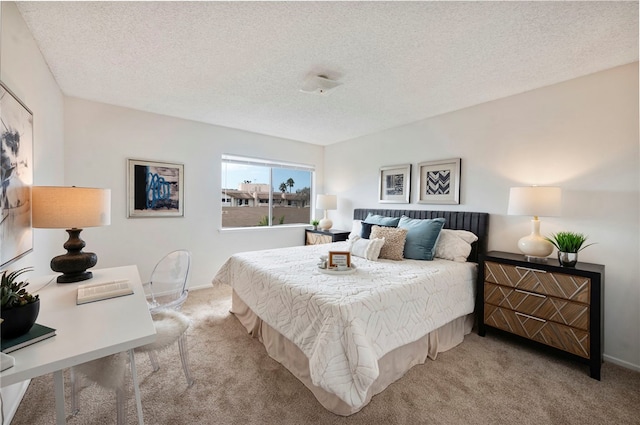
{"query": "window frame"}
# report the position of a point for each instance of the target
(271, 164)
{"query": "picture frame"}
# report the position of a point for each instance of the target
(394, 185)
(155, 189)
(439, 182)
(339, 258)
(16, 134)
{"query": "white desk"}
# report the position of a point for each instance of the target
(83, 332)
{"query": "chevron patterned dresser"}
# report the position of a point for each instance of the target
(556, 306)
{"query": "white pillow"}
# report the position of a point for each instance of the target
(366, 248)
(455, 245)
(356, 229)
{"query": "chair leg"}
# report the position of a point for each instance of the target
(121, 405)
(75, 391)
(184, 356)
(153, 358)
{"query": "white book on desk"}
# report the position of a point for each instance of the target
(90, 292)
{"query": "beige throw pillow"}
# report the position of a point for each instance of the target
(394, 239)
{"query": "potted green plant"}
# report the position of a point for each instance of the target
(315, 223)
(568, 245)
(19, 308)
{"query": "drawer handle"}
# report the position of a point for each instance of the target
(531, 270)
(530, 293)
(530, 317)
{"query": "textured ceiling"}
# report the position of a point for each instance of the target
(241, 64)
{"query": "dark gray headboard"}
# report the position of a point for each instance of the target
(476, 222)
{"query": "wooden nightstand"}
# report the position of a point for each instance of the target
(317, 237)
(560, 307)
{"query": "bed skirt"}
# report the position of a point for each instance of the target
(392, 365)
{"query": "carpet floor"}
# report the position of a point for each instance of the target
(490, 380)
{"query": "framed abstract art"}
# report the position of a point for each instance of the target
(156, 189)
(394, 186)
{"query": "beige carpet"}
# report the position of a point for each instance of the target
(483, 381)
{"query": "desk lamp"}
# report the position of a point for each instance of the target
(71, 208)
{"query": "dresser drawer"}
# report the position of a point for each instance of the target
(562, 311)
(559, 285)
(550, 333)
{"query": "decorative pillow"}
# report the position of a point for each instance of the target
(365, 229)
(366, 248)
(382, 220)
(455, 245)
(422, 236)
(394, 239)
(356, 229)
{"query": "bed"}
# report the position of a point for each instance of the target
(348, 336)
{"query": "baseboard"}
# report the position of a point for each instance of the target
(195, 288)
(622, 363)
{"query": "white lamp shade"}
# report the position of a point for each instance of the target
(535, 201)
(326, 202)
(55, 207)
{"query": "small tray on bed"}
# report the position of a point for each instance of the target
(335, 271)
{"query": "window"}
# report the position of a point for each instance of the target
(257, 192)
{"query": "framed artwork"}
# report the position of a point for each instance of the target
(439, 182)
(395, 184)
(16, 162)
(156, 189)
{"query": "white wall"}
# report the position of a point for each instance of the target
(581, 135)
(25, 72)
(98, 140)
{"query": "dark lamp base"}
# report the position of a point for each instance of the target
(75, 262)
(74, 277)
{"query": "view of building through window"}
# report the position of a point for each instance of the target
(258, 192)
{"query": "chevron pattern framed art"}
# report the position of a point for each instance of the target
(439, 182)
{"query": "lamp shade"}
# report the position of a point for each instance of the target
(326, 202)
(55, 207)
(536, 201)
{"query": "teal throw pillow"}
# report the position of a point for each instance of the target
(422, 236)
(382, 220)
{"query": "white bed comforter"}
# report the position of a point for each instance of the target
(345, 323)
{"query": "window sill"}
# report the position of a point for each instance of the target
(263, 228)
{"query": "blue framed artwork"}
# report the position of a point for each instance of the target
(156, 189)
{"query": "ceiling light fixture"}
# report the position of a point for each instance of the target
(319, 84)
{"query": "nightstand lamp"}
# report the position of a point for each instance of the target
(535, 201)
(326, 202)
(71, 208)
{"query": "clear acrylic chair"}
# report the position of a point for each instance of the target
(166, 291)
(167, 287)
(108, 372)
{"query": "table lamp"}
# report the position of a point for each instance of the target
(326, 202)
(71, 208)
(535, 201)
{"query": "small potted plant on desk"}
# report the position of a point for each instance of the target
(19, 308)
(568, 245)
(315, 223)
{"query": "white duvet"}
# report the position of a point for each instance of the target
(345, 323)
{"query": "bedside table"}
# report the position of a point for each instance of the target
(317, 237)
(560, 307)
